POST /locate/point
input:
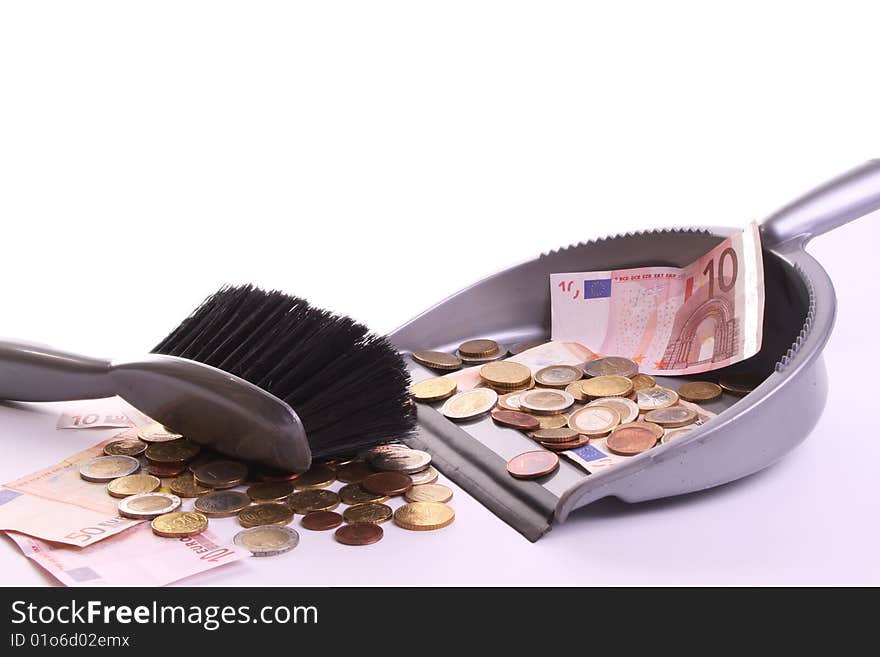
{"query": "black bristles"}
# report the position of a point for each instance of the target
(349, 387)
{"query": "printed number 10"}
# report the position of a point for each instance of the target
(726, 262)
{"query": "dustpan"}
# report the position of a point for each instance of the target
(748, 434)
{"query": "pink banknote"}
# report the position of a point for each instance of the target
(670, 320)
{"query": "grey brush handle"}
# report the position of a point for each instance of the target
(849, 196)
(37, 373)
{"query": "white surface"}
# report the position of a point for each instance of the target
(375, 157)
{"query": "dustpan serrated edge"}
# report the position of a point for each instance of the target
(807, 327)
(627, 234)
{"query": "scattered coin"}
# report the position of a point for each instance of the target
(270, 474)
(699, 391)
(353, 472)
(607, 386)
(134, 484)
(360, 533)
(740, 384)
(222, 503)
(437, 359)
(552, 421)
(270, 491)
(520, 347)
(642, 381)
(673, 416)
(221, 474)
(147, 506)
(166, 470)
(653, 427)
(321, 521)
(656, 397)
(176, 451)
(355, 494)
(267, 541)
(429, 493)
(411, 460)
(125, 447)
(369, 512)
(531, 465)
(629, 441)
(156, 433)
(558, 376)
(574, 444)
(179, 524)
(575, 390)
(431, 390)
(516, 419)
(561, 435)
(479, 348)
(187, 486)
(672, 434)
(506, 374)
(368, 454)
(387, 483)
(267, 513)
(424, 516)
(594, 420)
(510, 401)
(611, 366)
(546, 402)
(318, 476)
(427, 476)
(107, 468)
(469, 404)
(627, 409)
(318, 499)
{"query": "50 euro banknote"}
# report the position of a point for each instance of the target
(670, 320)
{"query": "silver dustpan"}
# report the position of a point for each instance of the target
(748, 434)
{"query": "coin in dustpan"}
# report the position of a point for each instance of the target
(506, 374)
(674, 416)
(156, 433)
(546, 402)
(558, 376)
(629, 441)
(594, 420)
(437, 360)
(656, 397)
(611, 366)
(627, 409)
(435, 389)
(531, 465)
(469, 404)
(607, 386)
(699, 391)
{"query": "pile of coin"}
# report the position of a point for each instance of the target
(155, 472)
(562, 407)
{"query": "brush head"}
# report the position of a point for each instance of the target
(349, 387)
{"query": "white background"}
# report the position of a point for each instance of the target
(376, 157)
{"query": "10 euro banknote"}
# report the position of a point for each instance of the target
(670, 320)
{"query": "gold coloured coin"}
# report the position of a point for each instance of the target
(356, 494)
(673, 416)
(699, 391)
(315, 500)
(156, 433)
(437, 360)
(125, 447)
(424, 516)
(558, 376)
(626, 408)
(427, 476)
(172, 452)
(429, 493)
(267, 541)
(544, 401)
(561, 435)
(510, 401)
(469, 404)
(318, 476)
(187, 486)
(657, 397)
(134, 484)
(642, 381)
(740, 384)
(594, 420)
(147, 506)
(576, 391)
(268, 513)
(479, 348)
(270, 491)
(607, 386)
(431, 390)
(369, 512)
(672, 434)
(505, 374)
(552, 421)
(179, 524)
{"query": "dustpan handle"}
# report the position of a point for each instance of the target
(849, 196)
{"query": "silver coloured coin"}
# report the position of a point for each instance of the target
(673, 434)
(626, 408)
(472, 360)
(221, 503)
(267, 540)
(156, 433)
(545, 401)
(594, 420)
(469, 404)
(611, 366)
(657, 397)
(108, 468)
(427, 476)
(411, 460)
(558, 376)
(147, 506)
(673, 416)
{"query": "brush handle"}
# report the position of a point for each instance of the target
(37, 373)
(849, 196)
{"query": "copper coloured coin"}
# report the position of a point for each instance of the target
(516, 419)
(387, 483)
(359, 533)
(321, 521)
(354, 472)
(530, 465)
(629, 441)
(574, 444)
(165, 470)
